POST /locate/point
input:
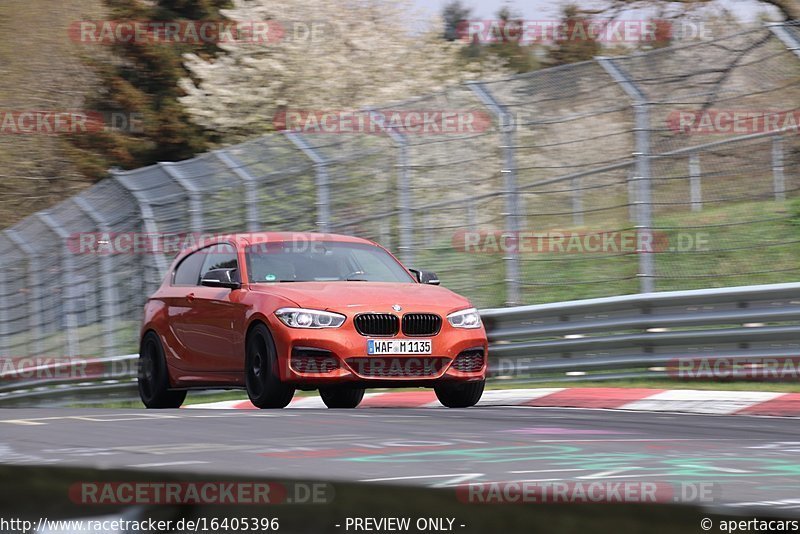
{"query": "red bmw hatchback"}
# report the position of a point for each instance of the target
(276, 312)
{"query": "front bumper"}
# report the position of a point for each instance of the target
(339, 356)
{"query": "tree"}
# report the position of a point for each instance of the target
(454, 14)
(140, 83)
(789, 9)
(517, 56)
(342, 56)
(503, 42)
(573, 44)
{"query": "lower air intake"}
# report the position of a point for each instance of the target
(397, 367)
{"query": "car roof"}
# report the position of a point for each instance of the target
(252, 238)
(276, 237)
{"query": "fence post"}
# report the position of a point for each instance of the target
(35, 299)
(323, 202)
(195, 196)
(792, 43)
(146, 213)
(472, 215)
(68, 282)
(633, 213)
(695, 186)
(249, 183)
(788, 38)
(5, 336)
(405, 247)
(577, 201)
(509, 172)
(109, 293)
(643, 175)
(406, 215)
(778, 179)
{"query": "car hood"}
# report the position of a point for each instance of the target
(357, 297)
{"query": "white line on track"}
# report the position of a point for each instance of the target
(455, 478)
(164, 464)
(654, 440)
(546, 471)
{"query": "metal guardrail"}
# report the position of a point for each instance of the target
(653, 331)
(586, 148)
(627, 336)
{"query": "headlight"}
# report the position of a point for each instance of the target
(465, 319)
(302, 318)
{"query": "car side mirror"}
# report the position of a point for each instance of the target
(426, 277)
(221, 278)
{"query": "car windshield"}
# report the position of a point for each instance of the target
(322, 261)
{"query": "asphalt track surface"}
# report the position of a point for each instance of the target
(751, 462)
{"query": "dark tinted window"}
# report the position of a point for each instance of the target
(222, 256)
(188, 271)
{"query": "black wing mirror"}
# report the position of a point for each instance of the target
(221, 278)
(426, 277)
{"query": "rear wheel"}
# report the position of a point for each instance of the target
(460, 395)
(262, 378)
(341, 397)
(153, 378)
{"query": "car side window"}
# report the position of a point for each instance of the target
(221, 256)
(188, 270)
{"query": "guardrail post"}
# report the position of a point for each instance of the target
(405, 247)
(108, 285)
(323, 202)
(35, 299)
(68, 282)
(695, 186)
(509, 171)
(195, 196)
(249, 184)
(778, 179)
(643, 175)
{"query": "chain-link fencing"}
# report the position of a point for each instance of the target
(609, 177)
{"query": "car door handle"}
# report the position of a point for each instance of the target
(190, 297)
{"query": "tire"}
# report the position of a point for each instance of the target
(153, 378)
(460, 395)
(341, 397)
(262, 378)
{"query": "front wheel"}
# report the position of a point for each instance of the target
(153, 379)
(341, 397)
(262, 378)
(460, 395)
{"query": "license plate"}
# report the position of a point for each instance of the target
(398, 346)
